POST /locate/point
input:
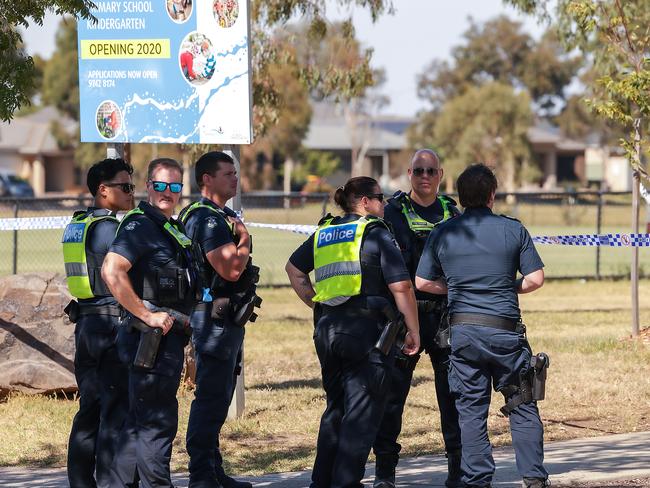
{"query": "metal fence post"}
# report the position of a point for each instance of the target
(15, 253)
(599, 226)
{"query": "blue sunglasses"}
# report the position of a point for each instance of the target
(161, 186)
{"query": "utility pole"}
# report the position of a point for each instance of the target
(236, 408)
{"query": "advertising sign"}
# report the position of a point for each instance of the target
(166, 71)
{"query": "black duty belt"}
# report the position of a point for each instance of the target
(203, 307)
(484, 320)
(110, 310)
(348, 311)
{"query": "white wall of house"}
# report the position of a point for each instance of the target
(618, 175)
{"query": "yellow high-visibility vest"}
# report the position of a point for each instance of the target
(337, 262)
(74, 253)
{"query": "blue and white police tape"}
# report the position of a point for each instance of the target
(608, 240)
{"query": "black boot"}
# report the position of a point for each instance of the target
(384, 473)
(536, 483)
(228, 482)
(454, 473)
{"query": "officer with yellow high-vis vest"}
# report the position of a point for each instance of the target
(151, 271)
(412, 216)
(359, 277)
(101, 378)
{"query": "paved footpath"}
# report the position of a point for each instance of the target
(614, 457)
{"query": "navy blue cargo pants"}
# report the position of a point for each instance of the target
(482, 357)
(217, 349)
(147, 437)
(103, 402)
(356, 378)
(386, 447)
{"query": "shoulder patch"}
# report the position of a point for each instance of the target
(212, 222)
(509, 217)
(131, 225)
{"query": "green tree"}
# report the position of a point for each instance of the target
(616, 37)
(61, 77)
(319, 163)
(339, 71)
(60, 88)
(486, 123)
(500, 50)
(19, 76)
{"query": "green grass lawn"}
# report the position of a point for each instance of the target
(597, 384)
(40, 250)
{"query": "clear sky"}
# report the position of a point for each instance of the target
(404, 43)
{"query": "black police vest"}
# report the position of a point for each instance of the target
(218, 286)
(416, 240)
(179, 281)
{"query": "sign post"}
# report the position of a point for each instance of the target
(169, 72)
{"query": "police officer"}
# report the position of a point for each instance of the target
(475, 259)
(359, 273)
(412, 217)
(150, 260)
(217, 337)
(101, 379)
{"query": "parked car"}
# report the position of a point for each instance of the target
(13, 186)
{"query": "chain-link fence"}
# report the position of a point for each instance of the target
(36, 246)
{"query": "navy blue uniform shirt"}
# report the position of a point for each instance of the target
(98, 242)
(378, 248)
(207, 228)
(148, 247)
(479, 255)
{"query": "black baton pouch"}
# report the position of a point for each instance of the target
(72, 311)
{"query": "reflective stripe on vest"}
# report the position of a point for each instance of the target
(337, 263)
(417, 223)
(184, 241)
(74, 253)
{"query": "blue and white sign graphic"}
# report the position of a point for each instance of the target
(166, 71)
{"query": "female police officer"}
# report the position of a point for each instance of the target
(359, 272)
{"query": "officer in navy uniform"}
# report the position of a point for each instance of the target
(360, 278)
(217, 337)
(475, 258)
(102, 380)
(412, 217)
(151, 260)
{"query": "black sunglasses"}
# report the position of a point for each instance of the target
(376, 196)
(161, 186)
(428, 171)
(125, 187)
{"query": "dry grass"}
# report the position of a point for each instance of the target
(597, 385)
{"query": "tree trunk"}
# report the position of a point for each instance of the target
(634, 268)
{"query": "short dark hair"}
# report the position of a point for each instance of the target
(349, 194)
(164, 163)
(475, 186)
(104, 171)
(208, 164)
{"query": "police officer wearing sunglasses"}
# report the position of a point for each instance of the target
(151, 271)
(360, 278)
(413, 215)
(101, 378)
